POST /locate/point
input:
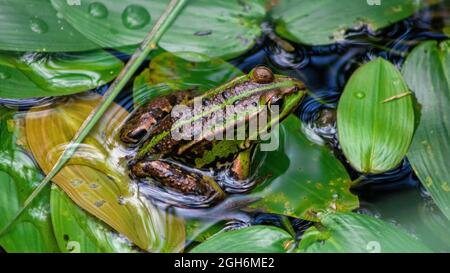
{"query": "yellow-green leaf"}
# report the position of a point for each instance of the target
(96, 178)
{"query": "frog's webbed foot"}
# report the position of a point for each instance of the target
(179, 179)
(144, 118)
(237, 178)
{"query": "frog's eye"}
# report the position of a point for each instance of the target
(262, 74)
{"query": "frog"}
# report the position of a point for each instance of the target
(187, 166)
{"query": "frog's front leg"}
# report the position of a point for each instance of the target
(178, 178)
(240, 169)
(144, 118)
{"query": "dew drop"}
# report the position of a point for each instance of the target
(76, 182)
(99, 203)
(135, 17)
(121, 200)
(98, 10)
(360, 95)
(203, 33)
(4, 75)
(37, 25)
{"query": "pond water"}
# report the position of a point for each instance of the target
(395, 196)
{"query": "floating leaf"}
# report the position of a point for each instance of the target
(427, 73)
(77, 231)
(323, 22)
(41, 74)
(351, 232)
(304, 178)
(212, 27)
(375, 118)
(181, 71)
(96, 178)
(34, 25)
(254, 239)
(18, 177)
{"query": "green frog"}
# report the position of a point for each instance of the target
(185, 166)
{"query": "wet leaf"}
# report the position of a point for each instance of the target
(351, 232)
(427, 73)
(31, 75)
(77, 231)
(254, 239)
(375, 118)
(96, 178)
(304, 178)
(326, 21)
(18, 177)
(212, 27)
(181, 71)
(34, 25)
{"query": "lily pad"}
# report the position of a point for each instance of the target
(32, 75)
(375, 117)
(212, 27)
(426, 71)
(255, 239)
(304, 178)
(78, 232)
(169, 72)
(34, 25)
(351, 232)
(96, 177)
(323, 22)
(18, 177)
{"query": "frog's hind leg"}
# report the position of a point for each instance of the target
(144, 118)
(179, 179)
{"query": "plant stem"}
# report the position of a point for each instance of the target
(165, 20)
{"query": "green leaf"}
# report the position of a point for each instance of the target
(18, 177)
(375, 118)
(41, 74)
(304, 178)
(77, 231)
(254, 239)
(34, 25)
(181, 71)
(356, 233)
(323, 22)
(212, 27)
(427, 73)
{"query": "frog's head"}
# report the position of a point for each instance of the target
(284, 91)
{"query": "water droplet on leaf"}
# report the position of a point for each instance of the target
(37, 25)
(135, 17)
(4, 75)
(360, 95)
(99, 203)
(98, 10)
(203, 33)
